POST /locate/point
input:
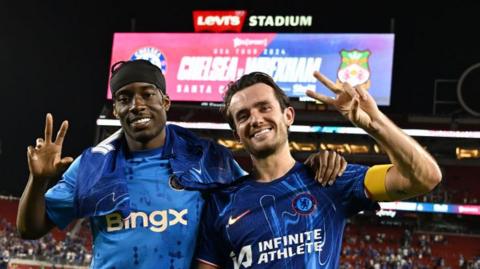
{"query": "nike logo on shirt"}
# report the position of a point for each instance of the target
(232, 220)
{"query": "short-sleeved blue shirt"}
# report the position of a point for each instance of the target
(161, 230)
(292, 222)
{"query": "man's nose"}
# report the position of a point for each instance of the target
(138, 102)
(256, 118)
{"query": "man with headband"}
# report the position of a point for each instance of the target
(140, 188)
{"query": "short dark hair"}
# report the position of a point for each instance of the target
(247, 81)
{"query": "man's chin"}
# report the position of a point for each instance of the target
(262, 152)
(142, 136)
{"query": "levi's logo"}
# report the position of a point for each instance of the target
(218, 20)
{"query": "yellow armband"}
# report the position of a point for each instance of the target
(375, 182)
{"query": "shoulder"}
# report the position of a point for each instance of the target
(301, 171)
(107, 145)
(69, 179)
(188, 135)
(354, 170)
(353, 175)
(198, 144)
(183, 133)
(236, 185)
(352, 180)
(224, 193)
(70, 175)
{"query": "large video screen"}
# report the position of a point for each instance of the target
(198, 66)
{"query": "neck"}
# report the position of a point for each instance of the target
(136, 145)
(276, 165)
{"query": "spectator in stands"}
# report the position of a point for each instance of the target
(46, 249)
(131, 185)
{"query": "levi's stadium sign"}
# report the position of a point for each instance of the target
(218, 20)
(233, 20)
(279, 21)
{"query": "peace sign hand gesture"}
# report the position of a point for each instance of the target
(44, 160)
(355, 104)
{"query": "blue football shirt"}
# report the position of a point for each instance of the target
(161, 230)
(291, 222)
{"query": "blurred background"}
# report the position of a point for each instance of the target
(56, 58)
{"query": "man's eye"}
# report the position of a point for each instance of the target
(241, 118)
(265, 108)
(123, 99)
(148, 95)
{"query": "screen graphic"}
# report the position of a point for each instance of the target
(198, 66)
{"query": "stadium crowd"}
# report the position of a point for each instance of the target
(72, 250)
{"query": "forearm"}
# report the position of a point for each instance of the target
(32, 221)
(415, 171)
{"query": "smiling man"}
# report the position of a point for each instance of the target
(124, 185)
(128, 185)
(277, 217)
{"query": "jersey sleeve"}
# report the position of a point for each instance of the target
(59, 198)
(210, 249)
(351, 188)
(237, 170)
(231, 164)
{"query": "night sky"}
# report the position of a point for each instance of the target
(55, 57)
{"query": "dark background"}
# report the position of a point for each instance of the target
(55, 57)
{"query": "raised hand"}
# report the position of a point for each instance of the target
(45, 160)
(355, 104)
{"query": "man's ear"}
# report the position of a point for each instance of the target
(115, 111)
(166, 102)
(235, 135)
(289, 114)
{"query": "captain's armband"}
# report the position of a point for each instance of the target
(375, 182)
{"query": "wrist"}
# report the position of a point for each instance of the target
(39, 181)
(378, 124)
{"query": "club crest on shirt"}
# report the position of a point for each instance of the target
(354, 68)
(154, 55)
(304, 203)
